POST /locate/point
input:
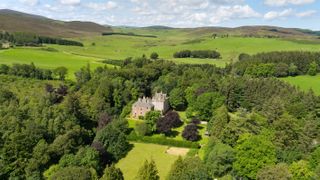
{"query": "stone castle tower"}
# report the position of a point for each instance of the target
(159, 102)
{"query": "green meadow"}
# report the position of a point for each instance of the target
(168, 41)
(305, 82)
(48, 59)
(135, 158)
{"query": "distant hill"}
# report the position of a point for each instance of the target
(255, 31)
(13, 21)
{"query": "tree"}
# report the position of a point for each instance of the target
(74, 173)
(152, 118)
(313, 69)
(315, 158)
(60, 72)
(177, 99)
(174, 119)
(154, 56)
(281, 70)
(293, 70)
(220, 159)
(164, 126)
(84, 75)
(219, 121)
(189, 168)
(252, 153)
(207, 103)
(300, 170)
(191, 132)
(148, 171)
(279, 171)
(142, 129)
(114, 140)
(112, 173)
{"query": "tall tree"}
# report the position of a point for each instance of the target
(148, 171)
(252, 153)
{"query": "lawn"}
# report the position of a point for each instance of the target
(305, 82)
(141, 152)
(177, 131)
(46, 59)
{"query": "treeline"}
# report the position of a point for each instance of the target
(49, 40)
(278, 64)
(27, 39)
(203, 54)
(31, 71)
(127, 34)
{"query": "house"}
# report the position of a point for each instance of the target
(159, 102)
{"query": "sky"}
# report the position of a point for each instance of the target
(177, 13)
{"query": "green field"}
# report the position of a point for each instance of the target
(118, 47)
(47, 59)
(305, 82)
(141, 152)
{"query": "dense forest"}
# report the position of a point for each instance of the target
(27, 39)
(260, 127)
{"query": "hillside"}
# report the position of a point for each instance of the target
(248, 31)
(13, 21)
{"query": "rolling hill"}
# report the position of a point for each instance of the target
(13, 21)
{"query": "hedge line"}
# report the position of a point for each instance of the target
(162, 141)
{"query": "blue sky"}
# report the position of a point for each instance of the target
(177, 13)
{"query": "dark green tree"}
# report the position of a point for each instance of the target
(154, 56)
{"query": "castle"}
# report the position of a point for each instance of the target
(159, 102)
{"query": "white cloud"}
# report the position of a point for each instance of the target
(225, 13)
(70, 2)
(306, 13)
(287, 2)
(275, 14)
(102, 6)
(30, 2)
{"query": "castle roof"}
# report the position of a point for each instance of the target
(144, 102)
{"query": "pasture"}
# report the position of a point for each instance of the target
(135, 158)
(305, 83)
(48, 59)
(118, 47)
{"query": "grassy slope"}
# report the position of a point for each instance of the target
(46, 59)
(141, 152)
(120, 47)
(305, 82)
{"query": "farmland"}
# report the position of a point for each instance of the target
(48, 59)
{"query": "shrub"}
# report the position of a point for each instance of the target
(154, 56)
(191, 133)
